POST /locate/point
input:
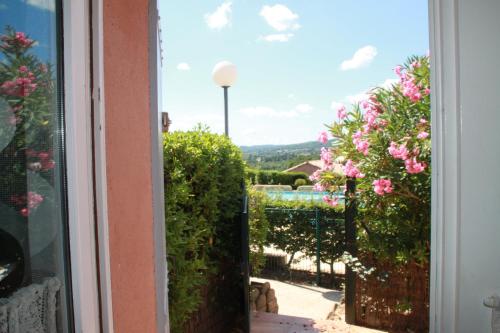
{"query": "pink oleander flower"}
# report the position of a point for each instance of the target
(398, 70)
(413, 166)
(362, 146)
(316, 175)
(25, 212)
(415, 64)
(331, 201)
(323, 137)
(18, 40)
(319, 187)
(350, 170)
(357, 136)
(427, 91)
(23, 40)
(423, 121)
(400, 152)
(341, 112)
(23, 69)
(410, 89)
(422, 135)
(20, 87)
(382, 186)
(326, 158)
(34, 200)
(370, 117)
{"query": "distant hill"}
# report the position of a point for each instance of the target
(280, 157)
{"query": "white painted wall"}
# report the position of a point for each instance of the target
(465, 45)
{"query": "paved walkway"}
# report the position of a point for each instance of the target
(275, 323)
(302, 309)
(303, 300)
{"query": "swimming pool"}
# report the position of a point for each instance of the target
(299, 195)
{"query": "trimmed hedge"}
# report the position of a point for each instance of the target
(265, 177)
(258, 228)
(204, 174)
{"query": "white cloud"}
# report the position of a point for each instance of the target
(355, 99)
(280, 17)
(43, 4)
(291, 96)
(265, 111)
(388, 83)
(303, 108)
(220, 18)
(361, 58)
(277, 37)
(183, 66)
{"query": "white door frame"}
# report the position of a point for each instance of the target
(91, 286)
(78, 105)
(78, 133)
(446, 119)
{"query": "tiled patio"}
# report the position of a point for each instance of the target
(274, 323)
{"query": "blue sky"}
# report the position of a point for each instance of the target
(296, 59)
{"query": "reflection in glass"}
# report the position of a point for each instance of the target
(34, 278)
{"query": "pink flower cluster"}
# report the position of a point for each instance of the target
(22, 39)
(409, 87)
(326, 158)
(361, 145)
(350, 170)
(372, 111)
(323, 137)
(19, 39)
(315, 176)
(401, 152)
(331, 201)
(28, 202)
(341, 112)
(43, 160)
(422, 135)
(22, 86)
(382, 186)
(413, 166)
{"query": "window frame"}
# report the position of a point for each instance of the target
(79, 168)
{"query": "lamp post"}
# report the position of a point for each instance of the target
(224, 75)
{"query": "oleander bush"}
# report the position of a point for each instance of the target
(204, 174)
(385, 144)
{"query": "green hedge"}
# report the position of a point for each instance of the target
(204, 174)
(258, 228)
(292, 228)
(265, 177)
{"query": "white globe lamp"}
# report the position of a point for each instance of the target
(225, 75)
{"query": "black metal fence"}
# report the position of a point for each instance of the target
(305, 244)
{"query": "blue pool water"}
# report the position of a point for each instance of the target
(296, 195)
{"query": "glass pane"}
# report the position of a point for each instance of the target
(34, 267)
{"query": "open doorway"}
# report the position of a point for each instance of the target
(301, 66)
